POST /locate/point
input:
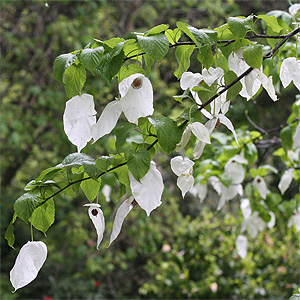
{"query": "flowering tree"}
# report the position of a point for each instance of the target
(235, 61)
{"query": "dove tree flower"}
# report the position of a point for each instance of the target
(121, 214)
(96, 215)
(183, 168)
(295, 220)
(296, 137)
(136, 101)
(254, 224)
(199, 190)
(28, 263)
(199, 131)
(235, 172)
(261, 186)
(147, 192)
(241, 245)
(286, 180)
(253, 81)
(293, 9)
(289, 71)
(78, 119)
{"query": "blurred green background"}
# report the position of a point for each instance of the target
(184, 250)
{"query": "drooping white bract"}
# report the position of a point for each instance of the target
(286, 180)
(293, 9)
(183, 168)
(289, 71)
(234, 171)
(295, 220)
(246, 208)
(253, 81)
(121, 214)
(199, 190)
(261, 186)
(241, 245)
(136, 102)
(253, 224)
(96, 215)
(296, 137)
(199, 131)
(147, 192)
(106, 190)
(28, 263)
(78, 119)
(272, 221)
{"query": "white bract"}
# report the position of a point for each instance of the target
(289, 71)
(199, 190)
(295, 220)
(183, 168)
(253, 224)
(136, 101)
(296, 137)
(121, 214)
(272, 221)
(106, 190)
(147, 192)
(293, 9)
(78, 119)
(246, 208)
(28, 263)
(200, 132)
(96, 215)
(235, 172)
(286, 180)
(241, 245)
(261, 186)
(253, 81)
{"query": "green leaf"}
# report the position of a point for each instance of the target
(91, 169)
(157, 29)
(90, 188)
(185, 94)
(74, 79)
(61, 63)
(240, 25)
(254, 55)
(173, 35)
(121, 174)
(122, 190)
(9, 233)
(271, 22)
(139, 163)
(168, 133)
(43, 216)
(199, 36)
(149, 61)
(104, 162)
(205, 56)
(48, 173)
(26, 204)
(122, 133)
(235, 89)
(131, 69)
(183, 54)
(75, 160)
(91, 57)
(110, 64)
(157, 45)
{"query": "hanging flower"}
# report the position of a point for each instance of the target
(241, 245)
(96, 215)
(121, 214)
(253, 81)
(293, 9)
(295, 220)
(147, 192)
(254, 224)
(199, 190)
(286, 180)
(136, 102)
(289, 71)
(200, 132)
(296, 137)
(28, 263)
(261, 186)
(183, 168)
(78, 119)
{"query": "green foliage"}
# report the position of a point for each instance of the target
(139, 163)
(74, 79)
(254, 55)
(239, 26)
(183, 54)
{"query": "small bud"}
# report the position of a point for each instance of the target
(137, 83)
(94, 212)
